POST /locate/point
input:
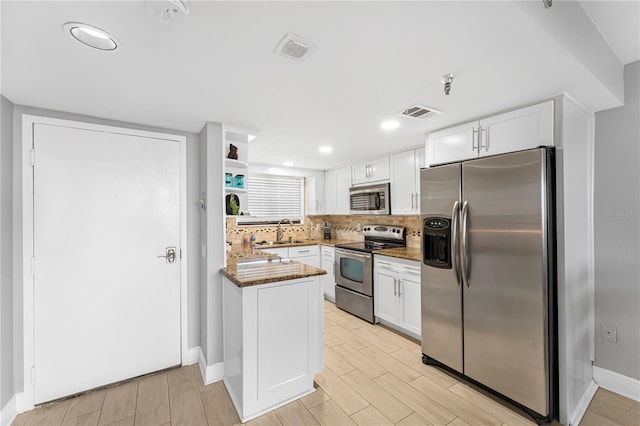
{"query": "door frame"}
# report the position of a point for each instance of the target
(28, 122)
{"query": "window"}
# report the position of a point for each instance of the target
(276, 197)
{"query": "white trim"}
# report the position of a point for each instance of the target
(581, 408)
(193, 356)
(9, 412)
(210, 373)
(28, 121)
(617, 383)
(20, 408)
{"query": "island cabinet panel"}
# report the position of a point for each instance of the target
(273, 339)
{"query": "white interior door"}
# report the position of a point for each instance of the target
(106, 308)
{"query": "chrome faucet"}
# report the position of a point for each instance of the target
(280, 231)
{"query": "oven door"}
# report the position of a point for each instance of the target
(354, 270)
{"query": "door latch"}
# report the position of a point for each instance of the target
(170, 255)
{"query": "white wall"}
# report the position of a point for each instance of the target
(617, 230)
(193, 231)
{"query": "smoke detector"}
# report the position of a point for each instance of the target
(419, 111)
(294, 47)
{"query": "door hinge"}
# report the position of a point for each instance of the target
(32, 157)
(33, 266)
(33, 374)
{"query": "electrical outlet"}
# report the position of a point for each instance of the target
(358, 227)
(610, 333)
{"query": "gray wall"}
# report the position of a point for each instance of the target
(193, 225)
(617, 230)
(6, 264)
(212, 237)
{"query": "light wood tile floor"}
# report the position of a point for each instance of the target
(372, 376)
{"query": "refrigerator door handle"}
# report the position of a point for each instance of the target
(455, 253)
(464, 252)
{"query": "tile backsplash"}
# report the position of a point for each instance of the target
(343, 227)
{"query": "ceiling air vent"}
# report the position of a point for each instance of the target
(294, 47)
(419, 111)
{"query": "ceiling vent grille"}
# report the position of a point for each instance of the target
(419, 111)
(294, 47)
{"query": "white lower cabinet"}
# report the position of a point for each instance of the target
(327, 259)
(396, 287)
(273, 343)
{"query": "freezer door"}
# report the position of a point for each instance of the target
(441, 291)
(505, 291)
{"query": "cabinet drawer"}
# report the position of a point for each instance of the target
(303, 251)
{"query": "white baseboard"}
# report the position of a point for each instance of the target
(210, 373)
(9, 412)
(618, 383)
(576, 417)
(193, 356)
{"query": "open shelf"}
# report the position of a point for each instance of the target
(235, 190)
(236, 164)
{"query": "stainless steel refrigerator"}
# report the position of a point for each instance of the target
(488, 275)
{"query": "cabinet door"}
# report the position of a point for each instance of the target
(330, 192)
(421, 162)
(309, 260)
(517, 130)
(410, 295)
(379, 169)
(343, 183)
(452, 144)
(328, 281)
(386, 301)
(360, 173)
(403, 183)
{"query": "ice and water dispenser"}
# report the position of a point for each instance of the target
(436, 232)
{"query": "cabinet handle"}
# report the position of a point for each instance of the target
(304, 251)
(399, 285)
(482, 140)
(412, 195)
(473, 139)
(395, 282)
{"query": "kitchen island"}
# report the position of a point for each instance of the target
(273, 331)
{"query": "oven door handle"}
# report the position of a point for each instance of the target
(351, 253)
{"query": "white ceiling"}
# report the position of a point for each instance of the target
(372, 60)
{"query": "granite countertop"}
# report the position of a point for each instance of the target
(296, 243)
(408, 253)
(268, 270)
(248, 268)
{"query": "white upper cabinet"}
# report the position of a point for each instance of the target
(330, 191)
(517, 130)
(343, 183)
(336, 190)
(452, 144)
(405, 181)
(370, 171)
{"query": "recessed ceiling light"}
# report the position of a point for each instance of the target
(325, 149)
(91, 36)
(390, 125)
(287, 163)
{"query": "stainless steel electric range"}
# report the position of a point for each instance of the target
(354, 268)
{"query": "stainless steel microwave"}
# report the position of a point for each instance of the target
(370, 199)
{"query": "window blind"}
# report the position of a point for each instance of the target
(276, 196)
